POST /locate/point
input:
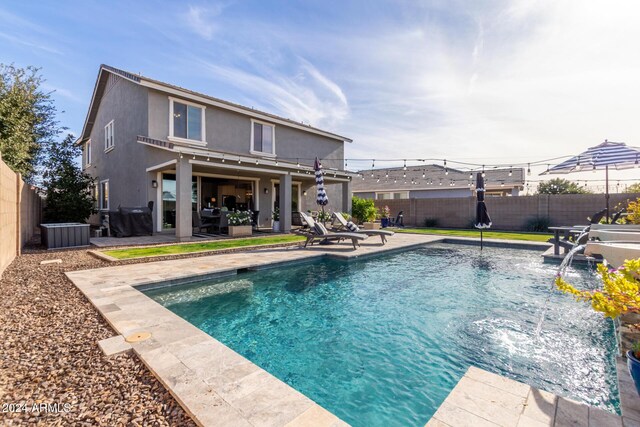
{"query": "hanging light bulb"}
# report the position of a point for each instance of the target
(386, 175)
(223, 158)
(470, 175)
(378, 180)
(404, 174)
(373, 165)
(371, 174)
(257, 162)
(440, 181)
(277, 161)
(346, 165)
(578, 166)
(510, 170)
(529, 169)
(502, 184)
(208, 158)
(194, 156)
(405, 165)
(363, 177)
(298, 163)
(594, 167)
(181, 156)
(446, 171)
(423, 173)
(483, 174)
(395, 181)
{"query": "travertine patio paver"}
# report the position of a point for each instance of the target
(484, 398)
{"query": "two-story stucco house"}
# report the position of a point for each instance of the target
(145, 140)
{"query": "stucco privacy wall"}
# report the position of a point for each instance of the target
(507, 213)
(20, 214)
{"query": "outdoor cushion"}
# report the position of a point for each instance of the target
(352, 227)
(320, 228)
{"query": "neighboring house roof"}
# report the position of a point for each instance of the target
(101, 83)
(433, 176)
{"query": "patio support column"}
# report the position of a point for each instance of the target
(346, 196)
(184, 227)
(285, 203)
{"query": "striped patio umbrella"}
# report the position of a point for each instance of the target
(616, 155)
(321, 198)
(482, 216)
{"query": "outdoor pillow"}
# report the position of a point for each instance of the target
(321, 229)
(352, 227)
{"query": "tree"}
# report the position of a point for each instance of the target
(27, 118)
(633, 188)
(68, 188)
(560, 186)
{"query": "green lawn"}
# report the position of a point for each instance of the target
(531, 237)
(200, 247)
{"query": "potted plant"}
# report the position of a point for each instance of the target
(239, 223)
(365, 212)
(385, 214)
(633, 363)
(275, 215)
(323, 216)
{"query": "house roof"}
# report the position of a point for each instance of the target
(393, 179)
(188, 94)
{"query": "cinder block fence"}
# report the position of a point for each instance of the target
(20, 214)
(507, 213)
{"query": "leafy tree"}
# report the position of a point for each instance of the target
(27, 118)
(560, 186)
(68, 188)
(634, 188)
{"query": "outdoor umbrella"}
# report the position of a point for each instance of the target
(321, 198)
(617, 155)
(482, 216)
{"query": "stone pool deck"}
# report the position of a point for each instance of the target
(484, 399)
(217, 386)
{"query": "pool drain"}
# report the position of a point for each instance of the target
(138, 336)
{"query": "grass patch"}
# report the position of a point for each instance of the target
(189, 248)
(508, 235)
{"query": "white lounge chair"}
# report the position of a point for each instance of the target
(342, 225)
(318, 232)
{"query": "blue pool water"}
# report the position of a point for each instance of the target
(382, 342)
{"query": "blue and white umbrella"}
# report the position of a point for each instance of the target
(321, 198)
(616, 155)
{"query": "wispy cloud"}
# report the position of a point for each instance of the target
(202, 20)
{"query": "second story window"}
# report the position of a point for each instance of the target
(263, 138)
(186, 121)
(108, 136)
(87, 153)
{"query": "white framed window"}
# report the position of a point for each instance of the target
(392, 195)
(104, 195)
(186, 122)
(263, 138)
(108, 136)
(87, 154)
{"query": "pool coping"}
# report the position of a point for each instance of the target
(214, 384)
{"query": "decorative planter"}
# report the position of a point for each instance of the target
(384, 222)
(371, 226)
(276, 226)
(239, 230)
(634, 369)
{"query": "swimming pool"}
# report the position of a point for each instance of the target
(383, 341)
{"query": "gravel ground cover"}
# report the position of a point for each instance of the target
(49, 354)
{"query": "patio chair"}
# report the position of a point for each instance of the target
(596, 217)
(318, 232)
(254, 219)
(340, 224)
(398, 221)
(198, 222)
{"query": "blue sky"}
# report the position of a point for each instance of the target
(484, 81)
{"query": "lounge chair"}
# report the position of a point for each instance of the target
(398, 221)
(343, 225)
(318, 232)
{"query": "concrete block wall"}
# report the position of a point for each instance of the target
(20, 214)
(507, 213)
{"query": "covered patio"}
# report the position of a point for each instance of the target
(203, 181)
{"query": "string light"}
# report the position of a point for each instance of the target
(208, 158)
(423, 173)
(239, 160)
(181, 156)
(373, 165)
(298, 163)
(223, 158)
(483, 174)
(194, 156)
(510, 170)
(446, 170)
(405, 165)
(578, 167)
(277, 161)
(257, 162)
(386, 174)
(529, 169)
(470, 175)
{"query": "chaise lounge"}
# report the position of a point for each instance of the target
(343, 225)
(318, 232)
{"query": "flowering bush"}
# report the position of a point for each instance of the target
(276, 214)
(633, 212)
(324, 216)
(239, 218)
(620, 293)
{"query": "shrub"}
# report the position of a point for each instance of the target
(346, 216)
(431, 222)
(363, 210)
(537, 223)
(633, 212)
